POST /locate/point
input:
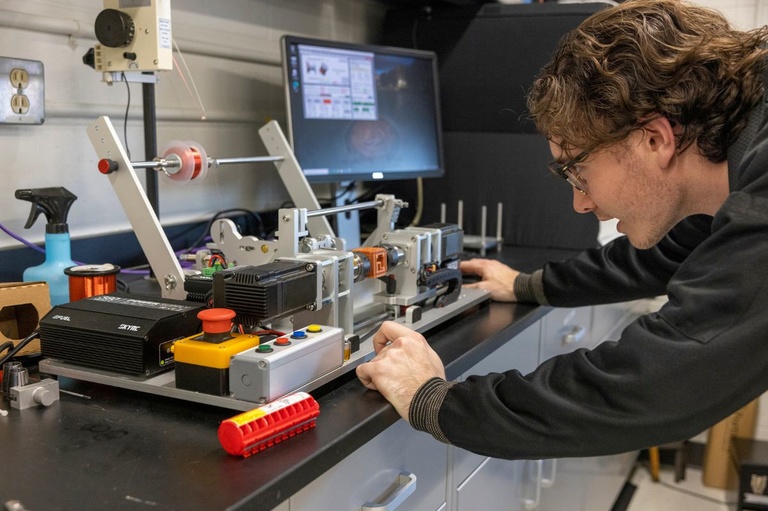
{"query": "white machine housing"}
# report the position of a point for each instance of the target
(152, 42)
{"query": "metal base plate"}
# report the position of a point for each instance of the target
(164, 384)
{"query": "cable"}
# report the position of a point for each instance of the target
(419, 202)
(19, 347)
(6, 345)
(22, 240)
(125, 121)
(191, 79)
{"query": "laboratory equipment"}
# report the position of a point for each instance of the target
(133, 36)
(303, 279)
(124, 333)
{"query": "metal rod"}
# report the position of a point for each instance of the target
(244, 159)
(156, 164)
(150, 143)
(344, 209)
(163, 163)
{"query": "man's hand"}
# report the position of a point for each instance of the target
(498, 278)
(403, 362)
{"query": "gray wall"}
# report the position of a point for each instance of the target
(232, 50)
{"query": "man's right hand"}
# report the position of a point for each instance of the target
(498, 278)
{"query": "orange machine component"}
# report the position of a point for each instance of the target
(378, 259)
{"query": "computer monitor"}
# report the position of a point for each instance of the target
(359, 112)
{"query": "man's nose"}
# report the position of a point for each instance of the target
(582, 203)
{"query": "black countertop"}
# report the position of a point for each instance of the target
(121, 448)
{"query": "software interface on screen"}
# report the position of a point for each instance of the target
(362, 112)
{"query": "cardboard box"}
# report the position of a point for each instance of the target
(22, 305)
(719, 470)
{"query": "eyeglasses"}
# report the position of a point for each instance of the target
(568, 172)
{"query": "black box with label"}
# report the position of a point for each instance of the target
(751, 459)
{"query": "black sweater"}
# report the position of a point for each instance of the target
(672, 373)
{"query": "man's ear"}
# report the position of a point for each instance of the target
(659, 139)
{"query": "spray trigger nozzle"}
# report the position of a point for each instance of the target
(53, 202)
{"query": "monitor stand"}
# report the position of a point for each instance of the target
(347, 223)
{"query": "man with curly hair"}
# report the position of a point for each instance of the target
(655, 111)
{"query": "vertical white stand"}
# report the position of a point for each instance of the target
(137, 208)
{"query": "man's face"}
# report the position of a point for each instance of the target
(622, 182)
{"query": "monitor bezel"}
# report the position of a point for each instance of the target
(287, 40)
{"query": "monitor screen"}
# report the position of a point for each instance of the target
(362, 112)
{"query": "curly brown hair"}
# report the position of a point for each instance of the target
(645, 59)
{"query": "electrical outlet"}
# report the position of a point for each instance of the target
(20, 104)
(19, 78)
(22, 91)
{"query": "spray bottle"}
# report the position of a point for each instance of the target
(55, 204)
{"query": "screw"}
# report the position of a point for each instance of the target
(310, 267)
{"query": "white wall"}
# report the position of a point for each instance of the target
(232, 50)
(743, 14)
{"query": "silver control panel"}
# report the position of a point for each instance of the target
(284, 364)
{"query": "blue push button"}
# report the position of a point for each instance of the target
(299, 334)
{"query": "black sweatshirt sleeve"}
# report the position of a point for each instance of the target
(619, 272)
(671, 375)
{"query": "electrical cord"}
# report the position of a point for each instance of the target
(12, 353)
(21, 239)
(125, 121)
(6, 345)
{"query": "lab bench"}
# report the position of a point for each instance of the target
(123, 449)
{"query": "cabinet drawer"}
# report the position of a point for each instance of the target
(374, 474)
(521, 353)
(565, 330)
(501, 484)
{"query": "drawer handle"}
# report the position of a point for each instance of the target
(549, 481)
(575, 335)
(406, 483)
(533, 503)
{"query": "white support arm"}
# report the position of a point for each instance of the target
(298, 187)
(140, 214)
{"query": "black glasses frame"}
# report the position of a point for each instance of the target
(567, 172)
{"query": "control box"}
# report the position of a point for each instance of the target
(134, 36)
(282, 365)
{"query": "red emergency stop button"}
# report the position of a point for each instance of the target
(216, 321)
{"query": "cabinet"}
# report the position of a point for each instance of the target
(408, 470)
(400, 467)
(586, 483)
(478, 482)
